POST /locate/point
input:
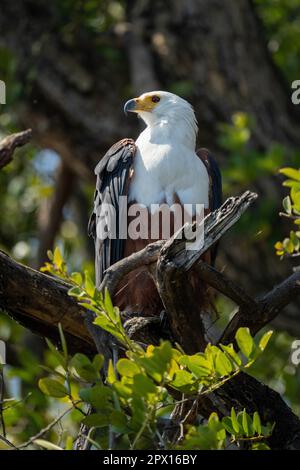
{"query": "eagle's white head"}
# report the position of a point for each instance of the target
(166, 112)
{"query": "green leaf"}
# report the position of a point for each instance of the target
(63, 341)
(46, 444)
(295, 196)
(96, 420)
(84, 368)
(139, 410)
(123, 389)
(291, 184)
(182, 379)
(99, 396)
(107, 325)
(59, 357)
(89, 306)
(290, 173)
(227, 423)
(264, 340)
(57, 258)
(77, 278)
(245, 422)
(198, 364)
(156, 360)
(234, 421)
(53, 388)
(256, 423)
(98, 362)
(119, 421)
(288, 245)
(69, 443)
(229, 349)
(223, 364)
(287, 204)
(143, 386)
(260, 446)
(111, 375)
(88, 284)
(244, 341)
(127, 368)
(109, 308)
(75, 291)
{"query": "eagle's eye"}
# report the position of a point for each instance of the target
(155, 99)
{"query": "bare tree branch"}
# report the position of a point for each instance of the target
(224, 285)
(40, 302)
(175, 260)
(267, 308)
(10, 143)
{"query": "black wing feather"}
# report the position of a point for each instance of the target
(216, 193)
(112, 173)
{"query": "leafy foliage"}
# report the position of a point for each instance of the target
(290, 246)
(282, 28)
(245, 164)
(138, 396)
(237, 428)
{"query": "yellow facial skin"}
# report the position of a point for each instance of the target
(144, 103)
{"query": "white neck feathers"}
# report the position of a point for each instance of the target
(178, 123)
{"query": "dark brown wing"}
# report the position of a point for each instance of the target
(112, 173)
(215, 186)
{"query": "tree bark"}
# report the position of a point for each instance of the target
(39, 302)
(10, 143)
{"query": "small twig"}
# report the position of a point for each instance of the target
(289, 216)
(9, 443)
(48, 427)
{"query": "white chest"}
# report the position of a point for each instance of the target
(166, 171)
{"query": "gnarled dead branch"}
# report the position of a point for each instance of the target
(10, 143)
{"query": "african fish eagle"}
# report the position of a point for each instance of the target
(160, 167)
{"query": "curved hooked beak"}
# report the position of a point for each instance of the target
(130, 106)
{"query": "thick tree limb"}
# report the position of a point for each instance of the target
(10, 143)
(244, 391)
(175, 260)
(40, 302)
(115, 273)
(216, 224)
(224, 285)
